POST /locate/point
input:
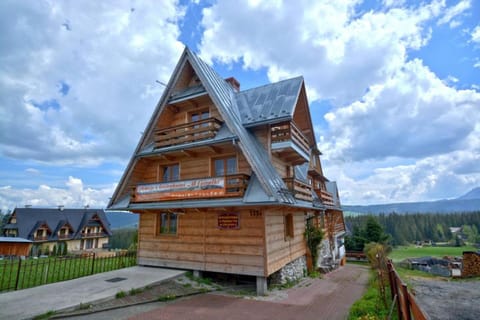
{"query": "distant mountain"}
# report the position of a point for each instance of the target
(122, 219)
(472, 194)
(466, 203)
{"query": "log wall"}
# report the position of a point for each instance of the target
(280, 249)
(201, 245)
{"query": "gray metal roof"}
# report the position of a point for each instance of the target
(14, 239)
(233, 108)
(29, 219)
(269, 103)
(224, 97)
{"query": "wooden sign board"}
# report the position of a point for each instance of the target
(198, 188)
(229, 221)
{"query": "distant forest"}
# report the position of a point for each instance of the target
(409, 228)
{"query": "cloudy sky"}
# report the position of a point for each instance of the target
(394, 88)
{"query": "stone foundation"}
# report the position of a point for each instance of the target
(291, 272)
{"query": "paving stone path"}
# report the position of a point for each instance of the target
(327, 298)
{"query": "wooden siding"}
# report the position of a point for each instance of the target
(281, 250)
(201, 245)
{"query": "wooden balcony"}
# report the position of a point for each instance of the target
(289, 143)
(93, 235)
(40, 238)
(325, 197)
(301, 190)
(187, 132)
(64, 236)
(215, 187)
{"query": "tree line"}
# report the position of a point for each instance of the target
(409, 228)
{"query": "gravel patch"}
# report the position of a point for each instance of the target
(443, 299)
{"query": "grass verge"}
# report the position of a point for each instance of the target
(371, 306)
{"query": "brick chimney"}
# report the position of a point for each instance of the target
(234, 83)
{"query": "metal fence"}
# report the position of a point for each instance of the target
(17, 273)
(407, 306)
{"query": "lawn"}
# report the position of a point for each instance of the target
(35, 272)
(401, 253)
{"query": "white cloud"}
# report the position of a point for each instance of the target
(453, 12)
(476, 34)
(339, 51)
(74, 195)
(412, 115)
(388, 111)
(77, 82)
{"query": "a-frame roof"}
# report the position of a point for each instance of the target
(239, 110)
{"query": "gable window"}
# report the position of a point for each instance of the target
(225, 166)
(170, 172)
(167, 223)
(199, 115)
(288, 220)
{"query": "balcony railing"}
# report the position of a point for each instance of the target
(187, 132)
(287, 132)
(92, 234)
(40, 238)
(325, 197)
(64, 236)
(300, 189)
(233, 185)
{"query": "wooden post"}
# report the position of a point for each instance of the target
(407, 302)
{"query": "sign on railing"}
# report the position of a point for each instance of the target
(196, 188)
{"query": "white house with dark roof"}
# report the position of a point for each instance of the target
(78, 229)
(225, 180)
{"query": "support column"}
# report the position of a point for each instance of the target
(262, 286)
(197, 273)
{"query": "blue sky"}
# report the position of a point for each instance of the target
(393, 86)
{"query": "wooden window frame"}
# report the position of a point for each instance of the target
(200, 112)
(225, 163)
(289, 226)
(169, 167)
(158, 225)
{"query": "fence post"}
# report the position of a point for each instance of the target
(93, 263)
(407, 302)
(18, 273)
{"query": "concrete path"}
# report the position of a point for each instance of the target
(27, 303)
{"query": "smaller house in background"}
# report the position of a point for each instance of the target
(14, 246)
(73, 229)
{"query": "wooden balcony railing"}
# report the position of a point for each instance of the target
(288, 131)
(40, 238)
(325, 197)
(64, 236)
(301, 190)
(187, 132)
(233, 185)
(93, 234)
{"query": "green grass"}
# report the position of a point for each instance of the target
(401, 253)
(370, 306)
(35, 272)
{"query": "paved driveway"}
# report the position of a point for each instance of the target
(327, 298)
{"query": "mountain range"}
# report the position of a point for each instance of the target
(466, 203)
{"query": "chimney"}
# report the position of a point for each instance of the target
(61, 207)
(234, 83)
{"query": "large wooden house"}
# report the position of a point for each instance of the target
(224, 180)
(74, 229)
